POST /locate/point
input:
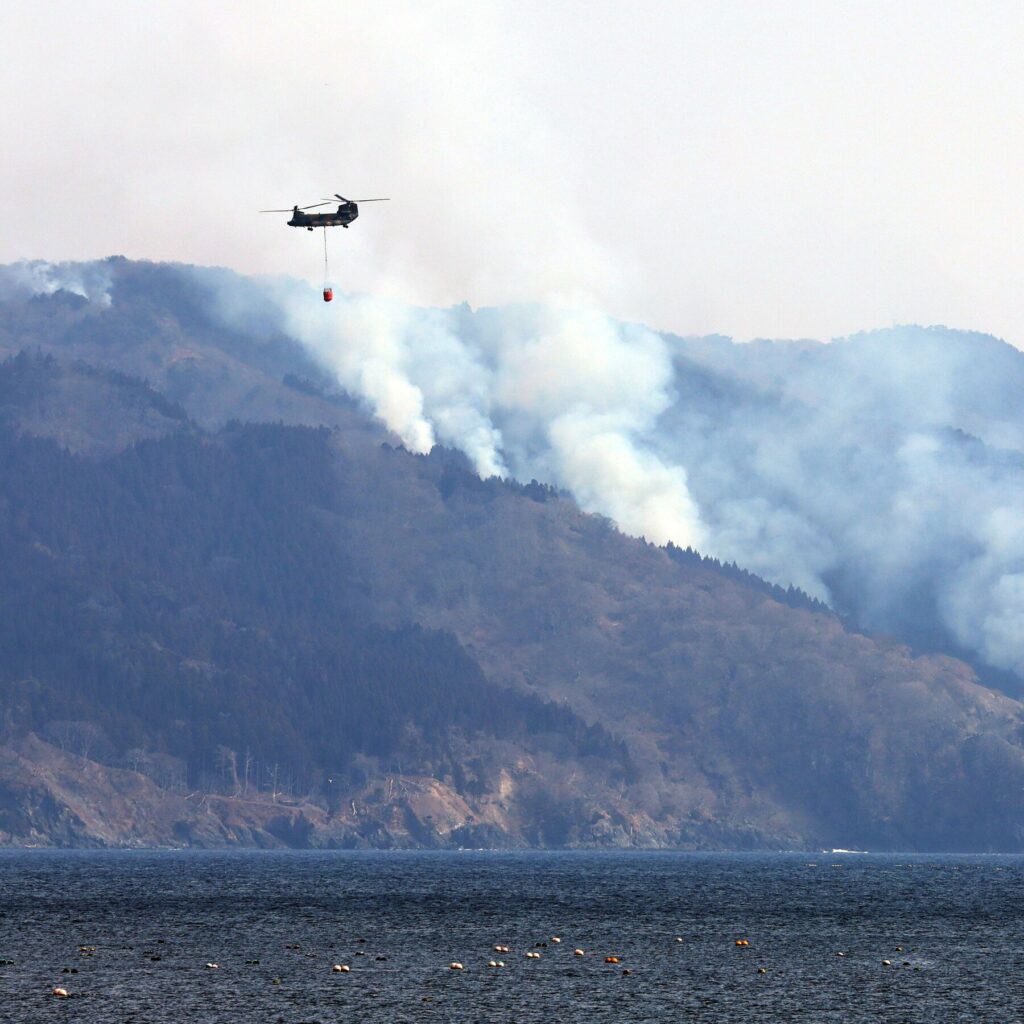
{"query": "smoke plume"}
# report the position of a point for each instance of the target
(883, 473)
(91, 281)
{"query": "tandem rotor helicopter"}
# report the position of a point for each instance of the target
(348, 210)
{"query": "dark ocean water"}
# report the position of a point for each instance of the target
(290, 916)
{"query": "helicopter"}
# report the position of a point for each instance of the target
(347, 212)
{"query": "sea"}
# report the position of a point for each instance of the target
(207, 937)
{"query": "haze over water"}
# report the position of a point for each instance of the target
(156, 920)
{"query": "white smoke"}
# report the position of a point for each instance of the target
(883, 473)
(563, 395)
(91, 281)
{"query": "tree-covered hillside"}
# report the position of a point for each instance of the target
(234, 610)
(185, 597)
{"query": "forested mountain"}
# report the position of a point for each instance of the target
(234, 610)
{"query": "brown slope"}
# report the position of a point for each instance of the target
(748, 722)
(160, 329)
(741, 714)
(54, 797)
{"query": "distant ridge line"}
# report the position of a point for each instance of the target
(791, 596)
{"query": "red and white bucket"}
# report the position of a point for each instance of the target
(328, 293)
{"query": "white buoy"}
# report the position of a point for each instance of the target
(578, 952)
(455, 966)
(533, 956)
(555, 939)
(60, 993)
(340, 968)
(212, 966)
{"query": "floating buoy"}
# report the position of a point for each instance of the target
(742, 942)
(679, 938)
(840, 954)
(887, 963)
(555, 939)
(455, 966)
(340, 968)
(275, 981)
(212, 967)
(60, 993)
(533, 956)
(762, 970)
(626, 971)
(612, 960)
(502, 949)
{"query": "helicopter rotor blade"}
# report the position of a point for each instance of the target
(370, 200)
(326, 202)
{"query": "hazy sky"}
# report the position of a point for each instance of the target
(774, 169)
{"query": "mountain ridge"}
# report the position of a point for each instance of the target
(662, 700)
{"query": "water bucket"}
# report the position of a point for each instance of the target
(328, 293)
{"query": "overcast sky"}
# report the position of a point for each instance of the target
(755, 169)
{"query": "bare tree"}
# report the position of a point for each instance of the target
(247, 764)
(227, 765)
(80, 738)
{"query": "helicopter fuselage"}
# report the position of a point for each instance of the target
(343, 216)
